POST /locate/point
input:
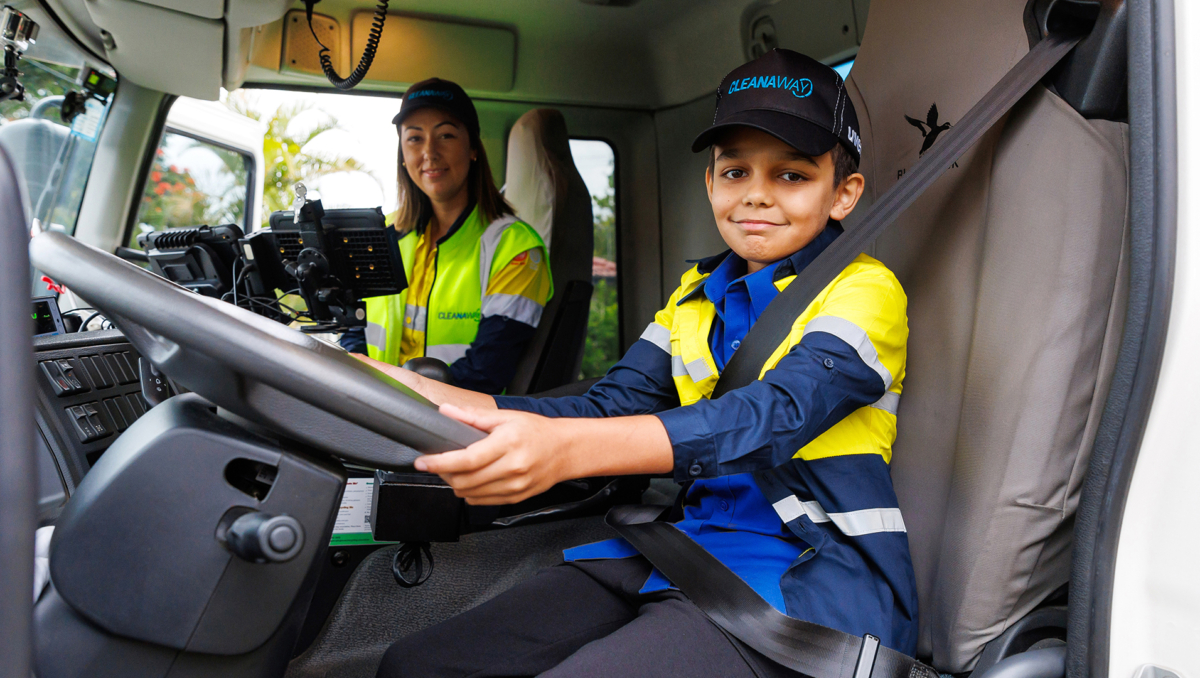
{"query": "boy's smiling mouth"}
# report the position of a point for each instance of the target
(752, 225)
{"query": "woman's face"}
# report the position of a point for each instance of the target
(437, 153)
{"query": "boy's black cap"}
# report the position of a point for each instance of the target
(443, 95)
(790, 96)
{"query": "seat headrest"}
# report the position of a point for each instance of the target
(539, 155)
(920, 57)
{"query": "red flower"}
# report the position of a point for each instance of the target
(174, 169)
(161, 188)
(156, 176)
(178, 186)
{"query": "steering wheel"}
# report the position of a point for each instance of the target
(299, 386)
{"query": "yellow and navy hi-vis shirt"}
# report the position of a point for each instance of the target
(474, 298)
(790, 482)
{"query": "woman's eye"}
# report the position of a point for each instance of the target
(413, 140)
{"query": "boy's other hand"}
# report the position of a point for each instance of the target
(524, 455)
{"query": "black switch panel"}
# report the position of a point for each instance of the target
(83, 427)
(101, 376)
(94, 418)
(63, 381)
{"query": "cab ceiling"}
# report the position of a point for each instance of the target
(625, 53)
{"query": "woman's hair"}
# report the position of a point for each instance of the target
(415, 207)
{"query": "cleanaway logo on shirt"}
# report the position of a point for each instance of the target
(459, 315)
(799, 88)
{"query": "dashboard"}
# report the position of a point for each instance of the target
(89, 390)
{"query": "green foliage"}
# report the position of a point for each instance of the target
(283, 148)
(603, 345)
(172, 199)
(41, 80)
(601, 350)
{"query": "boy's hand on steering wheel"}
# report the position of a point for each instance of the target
(524, 455)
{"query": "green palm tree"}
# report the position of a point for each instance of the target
(283, 150)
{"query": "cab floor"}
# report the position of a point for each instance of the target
(374, 611)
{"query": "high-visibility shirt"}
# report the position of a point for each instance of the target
(791, 488)
(473, 300)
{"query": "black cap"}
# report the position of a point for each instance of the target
(443, 95)
(797, 99)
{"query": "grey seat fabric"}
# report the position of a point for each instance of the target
(1014, 270)
(548, 193)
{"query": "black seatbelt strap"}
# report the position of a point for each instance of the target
(809, 648)
(775, 323)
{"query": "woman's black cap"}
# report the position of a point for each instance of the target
(443, 95)
(792, 97)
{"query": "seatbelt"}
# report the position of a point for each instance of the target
(729, 601)
(775, 323)
(731, 604)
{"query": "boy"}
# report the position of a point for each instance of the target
(790, 484)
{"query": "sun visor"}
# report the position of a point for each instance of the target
(162, 49)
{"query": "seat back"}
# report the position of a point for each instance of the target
(548, 193)
(1013, 266)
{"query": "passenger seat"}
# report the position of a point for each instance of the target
(1013, 264)
(548, 193)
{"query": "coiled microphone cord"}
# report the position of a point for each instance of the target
(368, 56)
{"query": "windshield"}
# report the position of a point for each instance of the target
(54, 156)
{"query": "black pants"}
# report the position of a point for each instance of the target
(579, 619)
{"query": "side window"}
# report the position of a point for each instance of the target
(194, 182)
(596, 162)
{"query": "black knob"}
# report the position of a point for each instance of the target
(263, 538)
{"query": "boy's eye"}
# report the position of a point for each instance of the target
(792, 177)
(733, 173)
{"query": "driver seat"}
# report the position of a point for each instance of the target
(1015, 270)
(545, 188)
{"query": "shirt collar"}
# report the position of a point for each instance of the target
(734, 267)
(462, 218)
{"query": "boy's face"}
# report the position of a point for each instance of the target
(769, 200)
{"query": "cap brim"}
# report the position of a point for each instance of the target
(408, 110)
(802, 135)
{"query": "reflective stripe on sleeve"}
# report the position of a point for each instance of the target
(488, 243)
(851, 523)
(658, 335)
(447, 353)
(377, 336)
(415, 317)
(855, 336)
(696, 369)
(512, 306)
(890, 402)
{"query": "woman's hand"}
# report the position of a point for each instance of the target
(526, 454)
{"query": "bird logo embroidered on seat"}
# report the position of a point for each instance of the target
(930, 129)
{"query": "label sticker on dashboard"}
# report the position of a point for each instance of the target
(353, 524)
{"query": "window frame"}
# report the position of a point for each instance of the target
(617, 224)
(251, 178)
(163, 128)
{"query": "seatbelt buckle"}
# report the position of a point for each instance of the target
(866, 656)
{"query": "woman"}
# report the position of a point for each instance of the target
(478, 278)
